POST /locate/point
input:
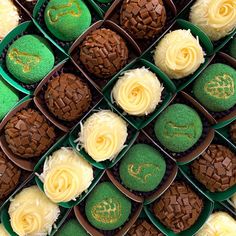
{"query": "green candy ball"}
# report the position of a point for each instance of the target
(72, 228)
(8, 97)
(232, 48)
(67, 19)
(215, 87)
(178, 128)
(142, 168)
(106, 207)
(29, 59)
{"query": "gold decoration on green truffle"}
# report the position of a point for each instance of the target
(107, 211)
(55, 12)
(18, 56)
(222, 86)
(142, 171)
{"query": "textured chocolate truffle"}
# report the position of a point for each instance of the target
(28, 134)
(143, 228)
(179, 207)
(233, 131)
(215, 168)
(68, 97)
(103, 53)
(143, 19)
(10, 175)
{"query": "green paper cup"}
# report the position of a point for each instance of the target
(38, 18)
(132, 134)
(205, 43)
(5, 218)
(22, 29)
(216, 196)
(206, 211)
(136, 121)
(64, 142)
(215, 46)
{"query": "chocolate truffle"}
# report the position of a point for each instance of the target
(179, 207)
(10, 175)
(215, 168)
(143, 228)
(233, 131)
(28, 133)
(103, 53)
(143, 19)
(68, 97)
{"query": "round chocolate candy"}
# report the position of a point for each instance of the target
(179, 207)
(215, 168)
(10, 175)
(233, 131)
(103, 53)
(28, 134)
(143, 19)
(67, 97)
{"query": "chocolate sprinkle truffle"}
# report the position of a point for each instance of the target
(215, 168)
(103, 53)
(10, 175)
(28, 134)
(68, 97)
(233, 131)
(179, 207)
(143, 19)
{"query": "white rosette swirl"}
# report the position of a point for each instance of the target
(138, 92)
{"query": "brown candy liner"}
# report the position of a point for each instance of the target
(138, 196)
(65, 67)
(181, 5)
(31, 30)
(203, 142)
(113, 14)
(134, 50)
(230, 113)
(79, 211)
(27, 6)
(25, 164)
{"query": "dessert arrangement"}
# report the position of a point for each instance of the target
(117, 117)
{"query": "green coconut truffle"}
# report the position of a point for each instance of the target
(29, 59)
(67, 19)
(232, 48)
(142, 168)
(215, 87)
(8, 98)
(72, 228)
(178, 128)
(106, 207)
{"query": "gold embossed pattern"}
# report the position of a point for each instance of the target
(71, 8)
(142, 171)
(26, 60)
(173, 130)
(222, 86)
(107, 211)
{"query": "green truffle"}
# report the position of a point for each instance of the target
(215, 87)
(67, 19)
(29, 59)
(178, 128)
(8, 97)
(72, 228)
(232, 48)
(106, 207)
(142, 168)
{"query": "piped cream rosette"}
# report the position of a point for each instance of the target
(103, 135)
(66, 175)
(216, 18)
(179, 54)
(32, 213)
(3, 231)
(218, 224)
(138, 92)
